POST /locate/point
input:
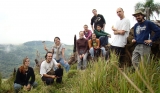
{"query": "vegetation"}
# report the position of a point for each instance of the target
(11, 55)
(102, 77)
(149, 7)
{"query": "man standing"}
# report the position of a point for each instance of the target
(97, 19)
(47, 72)
(142, 31)
(121, 32)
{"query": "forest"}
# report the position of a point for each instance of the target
(11, 56)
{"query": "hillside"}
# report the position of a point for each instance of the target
(11, 55)
(100, 77)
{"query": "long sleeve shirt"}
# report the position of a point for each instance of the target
(23, 79)
(142, 31)
(82, 46)
(100, 33)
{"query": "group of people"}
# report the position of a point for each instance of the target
(89, 42)
(50, 68)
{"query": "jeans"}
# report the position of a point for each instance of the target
(103, 40)
(82, 62)
(17, 87)
(91, 51)
(65, 65)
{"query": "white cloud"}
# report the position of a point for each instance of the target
(27, 20)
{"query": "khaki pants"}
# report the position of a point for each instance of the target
(139, 52)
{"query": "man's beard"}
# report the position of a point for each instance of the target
(139, 21)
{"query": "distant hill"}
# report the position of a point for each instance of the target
(11, 56)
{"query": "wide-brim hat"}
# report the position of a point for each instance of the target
(139, 12)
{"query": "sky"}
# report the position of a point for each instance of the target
(28, 20)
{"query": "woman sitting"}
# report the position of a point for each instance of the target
(82, 48)
(94, 46)
(24, 74)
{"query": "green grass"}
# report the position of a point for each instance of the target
(101, 77)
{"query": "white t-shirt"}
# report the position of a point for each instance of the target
(121, 40)
(46, 67)
(60, 49)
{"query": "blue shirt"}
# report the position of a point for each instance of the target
(143, 30)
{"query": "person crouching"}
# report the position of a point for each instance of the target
(24, 74)
(47, 71)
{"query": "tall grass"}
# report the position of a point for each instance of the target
(104, 77)
(0, 82)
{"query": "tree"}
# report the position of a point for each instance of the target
(148, 7)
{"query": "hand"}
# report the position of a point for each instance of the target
(58, 65)
(97, 47)
(29, 87)
(65, 61)
(25, 87)
(109, 36)
(114, 29)
(45, 48)
(82, 55)
(147, 42)
(133, 40)
(53, 76)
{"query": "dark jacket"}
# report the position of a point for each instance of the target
(23, 79)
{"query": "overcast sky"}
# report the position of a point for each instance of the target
(28, 20)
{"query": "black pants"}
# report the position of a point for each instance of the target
(58, 74)
(119, 51)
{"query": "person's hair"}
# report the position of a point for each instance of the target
(94, 10)
(21, 68)
(47, 54)
(99, 25)
(56, 38)
(92, 35)
(121, 9)
(81, 31)
(86, 25)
